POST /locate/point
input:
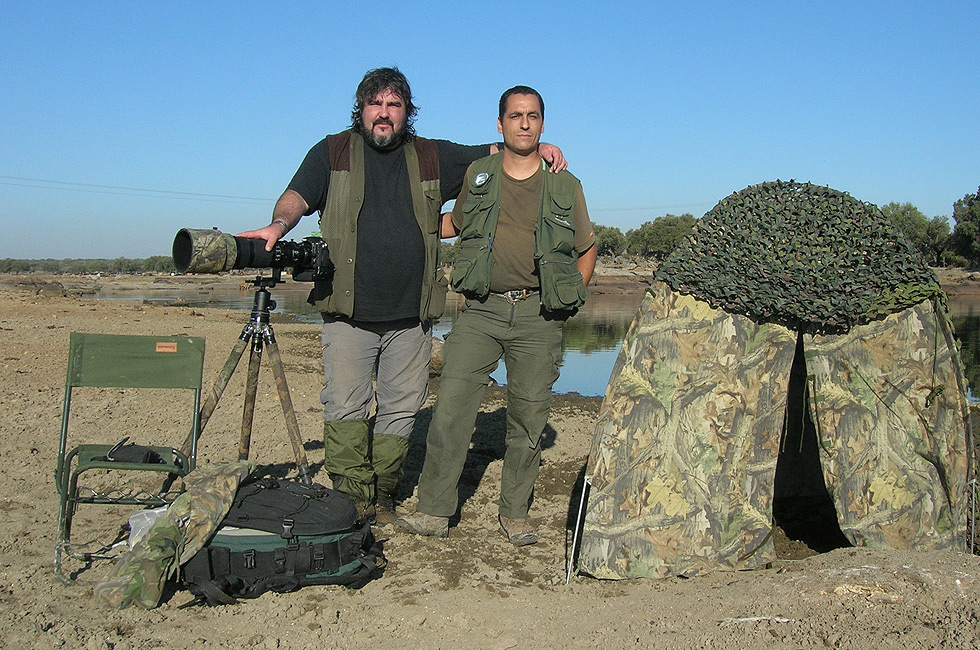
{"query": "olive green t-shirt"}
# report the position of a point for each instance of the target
(513, 243)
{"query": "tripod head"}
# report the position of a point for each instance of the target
(263, 304)
(262, 282)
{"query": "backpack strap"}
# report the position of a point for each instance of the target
(211, 592)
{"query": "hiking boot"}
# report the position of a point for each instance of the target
(423, 524)
(385, 510)
(517, 531)
(366, 511)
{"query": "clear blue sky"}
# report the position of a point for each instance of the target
(122, 122)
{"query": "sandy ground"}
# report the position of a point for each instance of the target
(473, 590)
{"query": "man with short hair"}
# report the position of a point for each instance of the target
(527, 253)
(379, 190)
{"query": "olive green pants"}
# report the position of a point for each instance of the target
(529, 342)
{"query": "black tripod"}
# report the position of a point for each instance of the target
(258, 330)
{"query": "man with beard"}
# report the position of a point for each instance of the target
(379, 190)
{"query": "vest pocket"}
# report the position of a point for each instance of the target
(476, 213)
(460, 270)
(471, 272)
(558, 232)
(562, 286)
(562, 204)
(437, 294)
(433, 198)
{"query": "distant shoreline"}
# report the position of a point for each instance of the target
(609, 278)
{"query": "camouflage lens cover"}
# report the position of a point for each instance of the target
(204, 251)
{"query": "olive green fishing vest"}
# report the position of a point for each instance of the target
(338, 222)
(561, 284)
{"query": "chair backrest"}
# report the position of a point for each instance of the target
(128, 361)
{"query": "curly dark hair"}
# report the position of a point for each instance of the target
(377, 81)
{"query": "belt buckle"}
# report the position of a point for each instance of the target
(516, 295)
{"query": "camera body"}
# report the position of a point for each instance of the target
(307, 259)
(212, 251)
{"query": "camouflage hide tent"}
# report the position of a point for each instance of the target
(793, 317)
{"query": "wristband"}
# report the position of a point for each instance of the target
(285, 226)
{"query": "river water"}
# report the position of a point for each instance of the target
(591, 341)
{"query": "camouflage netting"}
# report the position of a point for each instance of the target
(801, 255)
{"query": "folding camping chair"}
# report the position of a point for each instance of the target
(129, 362)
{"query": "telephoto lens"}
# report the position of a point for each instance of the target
(212, 251)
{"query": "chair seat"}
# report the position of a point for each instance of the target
(90, 456)
(94, 456)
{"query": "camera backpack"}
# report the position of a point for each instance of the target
(282, 535)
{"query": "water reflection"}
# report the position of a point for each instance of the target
(591, 341)
(290, 297)
(968, 333)
(590, 344)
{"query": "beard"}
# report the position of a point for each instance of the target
(386, 142)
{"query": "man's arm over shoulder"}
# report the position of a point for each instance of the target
(454, 159)
(550, 152)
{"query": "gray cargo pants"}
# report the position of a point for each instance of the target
(398, 353)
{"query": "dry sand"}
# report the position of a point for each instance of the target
(473, 590)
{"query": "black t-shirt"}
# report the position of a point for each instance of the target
(390, 250)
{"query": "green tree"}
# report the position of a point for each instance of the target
(609, 240)
(657, 238)
(910, 220)
(937, 240)
(159, 264)
(965, 240)
(929, 236)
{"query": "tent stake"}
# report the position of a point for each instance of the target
(587, 483)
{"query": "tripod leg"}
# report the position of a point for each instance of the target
(211, 402)
(251, 386)
(292, 426)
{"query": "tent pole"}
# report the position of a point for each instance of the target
(587, 483)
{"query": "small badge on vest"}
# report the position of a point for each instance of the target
(481, 179)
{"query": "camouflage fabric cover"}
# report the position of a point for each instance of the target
(889, 403)
(684, 454)
(211, 251)
(685, 449)
(809, 257)
(173, 539)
